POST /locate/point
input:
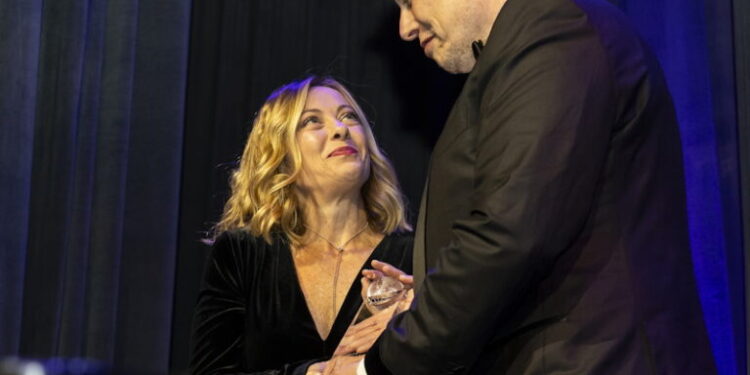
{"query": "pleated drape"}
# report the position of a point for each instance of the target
(694, 43)
(93, 132)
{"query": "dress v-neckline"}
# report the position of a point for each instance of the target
(351, 293)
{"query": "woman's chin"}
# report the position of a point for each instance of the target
(348, 181)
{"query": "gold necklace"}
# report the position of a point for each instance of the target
(339, 256)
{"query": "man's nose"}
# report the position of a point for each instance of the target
(408, 27)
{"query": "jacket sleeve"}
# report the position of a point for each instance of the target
(546, 116)
(219, 318)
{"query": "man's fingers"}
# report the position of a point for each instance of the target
(408, 280)
(393, 272)
(387, 268)
(371, 274)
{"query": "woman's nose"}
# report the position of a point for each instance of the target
(340, 130)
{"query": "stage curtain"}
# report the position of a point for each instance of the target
(695, 45)
(92, 103)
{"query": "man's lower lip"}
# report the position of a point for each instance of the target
(426, 44)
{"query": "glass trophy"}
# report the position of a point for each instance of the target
(382, 293)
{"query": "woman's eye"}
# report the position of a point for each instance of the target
(350, 116)
(310, 120)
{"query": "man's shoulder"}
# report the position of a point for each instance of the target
(523, 22)
(556, 34)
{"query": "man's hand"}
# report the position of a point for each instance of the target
(383, 268)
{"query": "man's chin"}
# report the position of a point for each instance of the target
(455, 67)
(454, 63)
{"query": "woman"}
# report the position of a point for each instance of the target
(313, 201)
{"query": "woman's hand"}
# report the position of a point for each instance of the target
(316, 368)
(343, 365)
(359, 337)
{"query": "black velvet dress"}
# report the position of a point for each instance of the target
(251, 316)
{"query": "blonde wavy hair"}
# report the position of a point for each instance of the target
(263, 199)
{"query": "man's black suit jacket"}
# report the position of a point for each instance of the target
(554, 220)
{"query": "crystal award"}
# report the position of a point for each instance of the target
(382, 293)
(381, 297)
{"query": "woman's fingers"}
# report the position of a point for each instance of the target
(360, 337)
(317, 368)
(361, 341)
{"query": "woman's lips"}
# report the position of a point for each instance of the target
(346, 150)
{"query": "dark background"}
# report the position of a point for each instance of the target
(120, 121)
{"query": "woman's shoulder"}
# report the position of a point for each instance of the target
(243, 238)
(240, 243)
(239, 253)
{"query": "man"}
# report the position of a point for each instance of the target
(553, 222)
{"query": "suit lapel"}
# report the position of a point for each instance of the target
(455, 124)
(419, 266)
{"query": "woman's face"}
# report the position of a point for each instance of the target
(332, 142)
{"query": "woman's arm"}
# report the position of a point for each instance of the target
(219, 318)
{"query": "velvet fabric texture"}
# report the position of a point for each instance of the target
(252, 316)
